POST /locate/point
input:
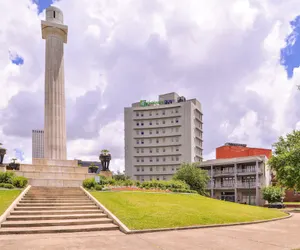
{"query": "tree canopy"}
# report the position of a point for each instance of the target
(286, 160)
(272, 194)
(195, 177)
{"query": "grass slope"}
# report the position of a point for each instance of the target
(138, 210)
(6, 198)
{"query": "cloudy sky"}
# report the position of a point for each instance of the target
(239, 58)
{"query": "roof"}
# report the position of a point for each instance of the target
(233, 160)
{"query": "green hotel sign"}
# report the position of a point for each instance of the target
(144, 103)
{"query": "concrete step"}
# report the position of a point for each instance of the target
(59, 229)
(54, 208)
(61, 204)
(30, 201)
(54, 196)
(48, 223)
(56, 217)
(57, 212)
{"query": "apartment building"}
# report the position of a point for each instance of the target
(37, 143)
(238, 179)
(160, 135)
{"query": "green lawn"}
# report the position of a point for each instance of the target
(138, 210)
(6, 198)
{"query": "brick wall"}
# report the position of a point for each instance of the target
(238, 151)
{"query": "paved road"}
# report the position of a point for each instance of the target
(281, 235)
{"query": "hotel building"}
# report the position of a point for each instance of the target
(160, 135)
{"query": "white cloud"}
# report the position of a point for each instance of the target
(216, 51)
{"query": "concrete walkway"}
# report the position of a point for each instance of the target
(283, 234)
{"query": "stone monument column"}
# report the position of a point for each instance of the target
(55, 33)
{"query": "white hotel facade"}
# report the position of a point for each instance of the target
(160, 135)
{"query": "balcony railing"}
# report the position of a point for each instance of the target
(245, 171)
(226, 185)
(246, 184)
(223, 172)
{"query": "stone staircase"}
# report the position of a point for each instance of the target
(56, 210)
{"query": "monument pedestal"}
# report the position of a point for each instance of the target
(54, 173)
(107, 174)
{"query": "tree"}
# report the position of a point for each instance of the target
(120, 176)
(195, 177)
(286, 160)
(272, 194)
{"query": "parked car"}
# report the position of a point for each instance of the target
(278, 205)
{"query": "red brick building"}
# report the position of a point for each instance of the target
(233, 150)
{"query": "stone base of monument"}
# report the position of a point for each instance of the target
(53, 173)
(106, 174)
(2, 168)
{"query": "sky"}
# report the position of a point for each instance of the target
(239, 58)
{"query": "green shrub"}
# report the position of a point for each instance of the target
(89, 183)
(172, 184)
(112, 182)
(6, 185)
(272, 194)
(19, 181)
(7, 177)
(98, 187)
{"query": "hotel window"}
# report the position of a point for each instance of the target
(137, 132)
(137, 150)
(137, 114)
(163, 122)
(172, 111)
(172, 121)
(172, 168)
(142, 150)
(142, 114)
(137, 124)
(157, 131)
(137, 142)
(157, 123)
(177, 158)
(150, 141)
(157, 159)
(151, 159)
(150, 114)
(164, 159)
(142, 141)
(142, 132)
(150, 132)
(142, 124)
(172, 139)
(172, 130)
(156, 113)
(164, 150)
(157, 169)
(157, 140)
(150, 150)
(164, 169)
(142, 160)
(177, 129)
(138, 160)
(142, 169)
(150, 169)
(150, 178)
(177, 120)
(150, 123)
(177, 149)
(164, 131)
(142, 178)
(177, 139)
(172, 158)
(157, 150)
(164, 178)
(157, 178)
(163, 112)
(176, 111)
(164, 139)
(138, 169)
